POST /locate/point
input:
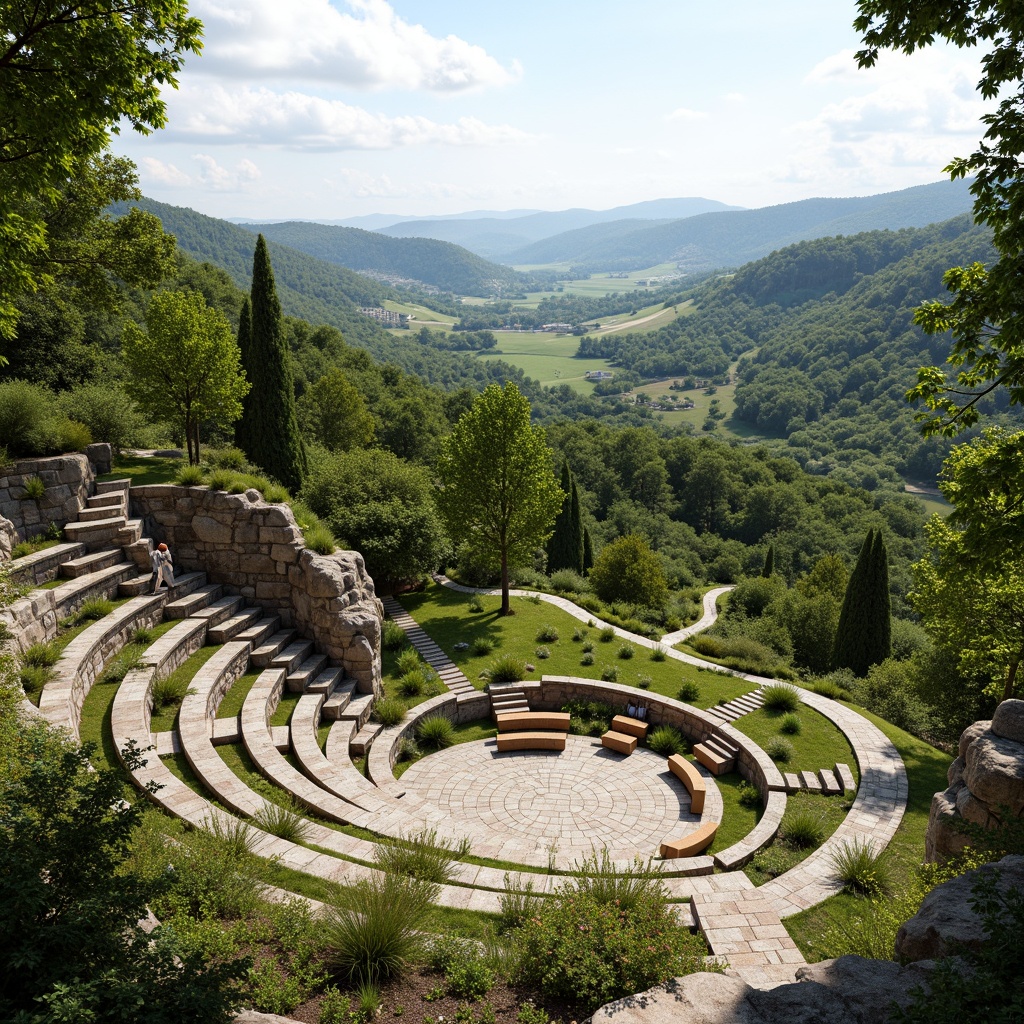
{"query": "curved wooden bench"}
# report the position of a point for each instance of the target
(531, 741)
(629, 726)
(523, 721)
(692, 843)
(691, 778)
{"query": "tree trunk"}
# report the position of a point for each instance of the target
(195, 430)
(1011, 676)
(192, 459)
(506, 604)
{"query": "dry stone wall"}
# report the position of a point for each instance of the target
(256, 549)
(68, 481)
(986, 782)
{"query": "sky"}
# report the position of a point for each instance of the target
(320, 110)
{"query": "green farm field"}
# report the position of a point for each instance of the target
(420, 313)
(548, 358)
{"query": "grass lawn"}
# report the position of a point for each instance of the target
(446, 617)
(141, 470)
(926, 775)
(737, 820)
(819, 744)
(549, 358)
(232, 701)
(164, 719)
(468, 732)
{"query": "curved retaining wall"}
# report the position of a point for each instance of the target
(256, 549)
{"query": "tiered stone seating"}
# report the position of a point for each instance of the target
(42, 566)
(717, 754)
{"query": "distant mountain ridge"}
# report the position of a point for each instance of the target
(731, 238)
(439, 264)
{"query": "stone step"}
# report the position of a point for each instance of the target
(721, 746)
(830, 785)
(792, 781)
(140, 552)
(845, 777)
(270, 648)
(109, 486)
(219, 611)
(359, 745)
(712, 759)
(95, 515)
(227, 730)
(86, 564)
(113, 499)
(810, 782)
(183, 585)
(186, 607)
(327, 681)
(299, 680)
(137, 586)
(338, 700)
(358, 708)
(96, 533)
(260, 631)
(232, 626)
(509, 708)
(130, 532)
(291, 657)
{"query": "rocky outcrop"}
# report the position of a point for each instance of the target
(257, 550)
(850, 990)
(946, 920)
(986, 782)
(8, 538)
(67, 481)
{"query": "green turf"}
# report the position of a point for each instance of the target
(737, 821)
(283, 712)
(141, 470)
(445, 616)
(468, 732)
(549, 358)
(819, 744)
(164, 719)
(232, 701)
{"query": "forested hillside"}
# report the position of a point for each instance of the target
(729, 239)
(440, 265)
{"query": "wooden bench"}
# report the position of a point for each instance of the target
(692, 843)
(619, 742)
(531, 740)
(686, 772)
(630, 726)
(520, 721)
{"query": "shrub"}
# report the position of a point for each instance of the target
(94, 608)
(334, 1007)
(464, 966)
(606, 635)
(421, 856)
(749, 796)
(587, 647)
(517, 903)
(229, 457)
(407, 749)
(283, 820)
(408, 661)
(790, 724)
(393, 637)
(547, 635)
(610, 674)
(34, 677)
(579, 634)
(319, 538)
(780, 697)
(542, 653)
(220, 479)
(688, 692)
(190, 476)
(435, 732)
(587, 658)
(507, 669)
(644, 682)
(802, 829)
(666, 740)
(626, 652)
(565, 581)
(35, 489)
(411, 684)
(169, 692)
(389, 711)
(658, 653)
(780, 750)
(43, 654)
(481, 646)
(602, 936)
(861, 869)
(365, 940)
(476, 605)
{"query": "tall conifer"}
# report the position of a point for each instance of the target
(565, 547)
(576, 522)
(271, 429)
(863, 637)
(769, 562)
(588, 551)
(245, 426)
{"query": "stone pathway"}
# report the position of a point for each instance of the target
(450, 673)
(706, 620)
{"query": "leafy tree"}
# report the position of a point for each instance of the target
(498, 491)
(334, 413)
(382, 507)
(769, 562)
(269, 433)
(70, 73)
(185, 365)
(565, 546)
(71, 948)
(628, 570)
(863, 635)
(986, 314)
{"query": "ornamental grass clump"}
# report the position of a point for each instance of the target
(422, 856)
(790, 724)
(803, 829)
(688, 692)
(862, 869)
(284, 821)
(435, 732)
(666, 740)
(407, 661)
(780, 750)
(547, 635)
(389, 711)
(780, 698)
(507, 669)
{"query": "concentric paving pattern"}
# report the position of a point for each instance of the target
(577, 800)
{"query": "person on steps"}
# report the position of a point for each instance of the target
(163, 567)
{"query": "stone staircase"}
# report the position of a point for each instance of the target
(717, 754)
(828, 781)
(737, 707)
(505, 698)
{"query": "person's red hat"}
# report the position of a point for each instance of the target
(162, 547)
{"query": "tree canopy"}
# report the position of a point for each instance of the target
(498, 491)
(628, 570)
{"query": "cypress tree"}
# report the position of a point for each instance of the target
(565, 547)
(769, 562)
(864, 627)
(588, 551)
(245, 425)
(270, 428)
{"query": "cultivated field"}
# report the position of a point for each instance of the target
(548, 358)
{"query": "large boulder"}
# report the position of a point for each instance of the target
(8, 539)
(946, 920)
(850, 990)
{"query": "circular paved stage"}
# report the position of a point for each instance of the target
(577, 800)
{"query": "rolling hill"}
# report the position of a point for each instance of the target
(731, 238)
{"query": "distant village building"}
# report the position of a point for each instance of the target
(387, 317)
(597, 375)
(557, 328)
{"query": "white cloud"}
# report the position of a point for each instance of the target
(218, 178)
(160, 173)
(370, 48)
(295, 120)
(685, 114)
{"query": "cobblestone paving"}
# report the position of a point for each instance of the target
(578, 800)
